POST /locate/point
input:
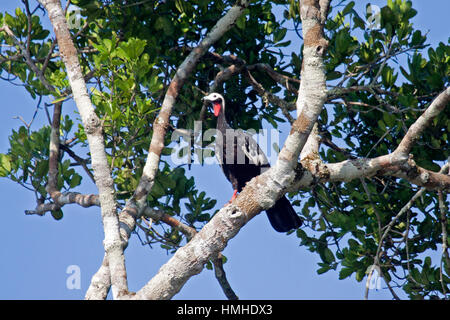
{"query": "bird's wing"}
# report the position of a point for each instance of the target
(251, 149)
(218, 149)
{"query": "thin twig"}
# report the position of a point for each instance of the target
(269, 97)
(406, 208)
(190, 232)
(28, 59)
(82, 162)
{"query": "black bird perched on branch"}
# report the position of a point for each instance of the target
(242, 159)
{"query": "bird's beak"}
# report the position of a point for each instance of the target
(206, 99)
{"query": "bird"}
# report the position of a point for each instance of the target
(242, 159)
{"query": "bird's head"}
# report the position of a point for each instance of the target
(217, 101)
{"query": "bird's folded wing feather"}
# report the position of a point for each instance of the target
(251, 149)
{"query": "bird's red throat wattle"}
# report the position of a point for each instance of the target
(217, 107)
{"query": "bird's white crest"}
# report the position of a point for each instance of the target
(213, 97)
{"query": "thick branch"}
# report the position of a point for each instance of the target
(93, 129)
(419, 176)
(190, 232)
(100, 283)
(397, 163)
(324, 7)
(415, 131)
(53, 159)
(348, 170)
(61, 199)
(190, 259)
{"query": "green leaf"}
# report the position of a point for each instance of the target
(348, 8)
(333, 75)
(301, 234)
(5, 165)
(57, 214)
(9, 20)
(345, 273)
(157, 189)
(41, 169)
(240, 22)
(389, 119)
(296, 61)
(283, 44)
(203, 217)
(179, 5)
(75, 181)
(164, 24)
(323, 269)
(359, 23)
(327, 255)
(209, 205)
(60, 99)
(388, 77)
(360, 275)
(279, 34)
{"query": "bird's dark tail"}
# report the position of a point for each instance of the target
(283, 217)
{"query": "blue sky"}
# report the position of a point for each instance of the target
(263, 264)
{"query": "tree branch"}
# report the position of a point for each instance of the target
(82, 162)
(349, 170)
(221, 277)
(61, 199)
(285, 106)
(397, 163)
(415, 131)
(277, 77)
(91, 122)
(53, 159)
(189, 232)
(28, 60)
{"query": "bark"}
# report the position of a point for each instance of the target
(61, 199)
(190, 259)
(112, 242)
(390, 165)
(53, 159)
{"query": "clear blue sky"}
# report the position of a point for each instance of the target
(263, 264)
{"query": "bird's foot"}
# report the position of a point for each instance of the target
(232, 198)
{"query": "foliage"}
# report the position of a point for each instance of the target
(134, 49)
